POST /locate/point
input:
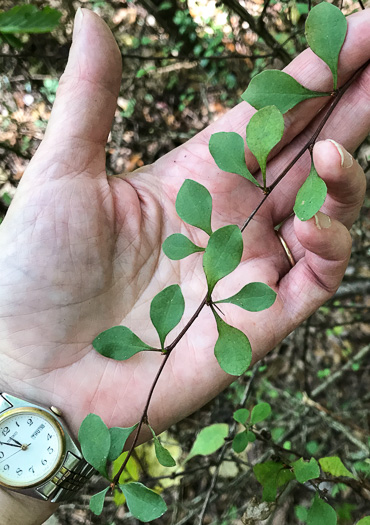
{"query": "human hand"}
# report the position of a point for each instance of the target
(80, 252)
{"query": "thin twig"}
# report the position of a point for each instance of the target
(144, 416)
(224, 448)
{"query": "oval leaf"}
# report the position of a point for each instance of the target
(240, 442)
(272, 475)
(232, 350)
(364, 521)
(94, 438)
(227, 150)
(306, 470)
(321, 513)
(264, 130)
(178, 246)
(276, 88)
(241, 415)
(326, 29)
(209, 440)
(333, 465)
(96, 502)
(118, 438)
(163, 455)
(311, 196)
(223, 254)
(119, 343)
(251, 436)
(143, 503)
(253, 297)
(166, 310)
(260, 412)
(194, 205)
(29, 19)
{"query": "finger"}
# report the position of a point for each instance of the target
(346, 184)
(85, 103)
(310, 71)
(315, 278)
(344, 178)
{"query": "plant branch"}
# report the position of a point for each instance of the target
(167, 351)
(224, 448)
(144, 416)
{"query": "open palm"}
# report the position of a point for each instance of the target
(80, 252)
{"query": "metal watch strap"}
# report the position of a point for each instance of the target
(74, 471)
(68, 480)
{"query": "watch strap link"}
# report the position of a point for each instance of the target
(69, 479)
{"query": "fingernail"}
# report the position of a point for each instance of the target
(77, 23)
(346, 159)
(322, 221)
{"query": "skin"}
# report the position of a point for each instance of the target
(80, 252)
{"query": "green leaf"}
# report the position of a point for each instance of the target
(119, 343)
(227, 150)
(333, 465)
(364, 521)
(251, 436)
(94, 438)
(28, 19)
(96, 502)
(326, 29)
(253, 297)
(306, 470)
(194, 205)
(118, 438)
(241, 415)
(232, 350)
(271, 475)
(264, 130)
(166, 310)
(178, 246)
(13, 41)
(301, 513)
(260, 412)
(209, 440)
(321, 513)
(223, 254)
(240, 442)
(143, 503)
(162, 454)
(276, 88)
(311, 196)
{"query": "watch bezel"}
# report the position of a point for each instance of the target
(58, 427)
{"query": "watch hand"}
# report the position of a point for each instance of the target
(11, 455)
(15, 441)
(10, 444)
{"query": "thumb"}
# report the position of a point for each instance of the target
(85, 103)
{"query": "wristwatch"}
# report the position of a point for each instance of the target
(38, 456)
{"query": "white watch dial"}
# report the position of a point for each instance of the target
(31, 447)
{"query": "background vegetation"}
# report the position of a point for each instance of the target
(185, 63)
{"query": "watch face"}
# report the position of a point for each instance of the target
(31, 447)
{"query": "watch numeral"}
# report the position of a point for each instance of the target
(31, 469)
(1, 454)
(19, 471)
(49, 437)
(50, 450)
(5, 431)
(17, 424)
(44, 461)
(29, 421)
(6, 467)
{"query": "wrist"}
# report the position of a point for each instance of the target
(17, 509)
